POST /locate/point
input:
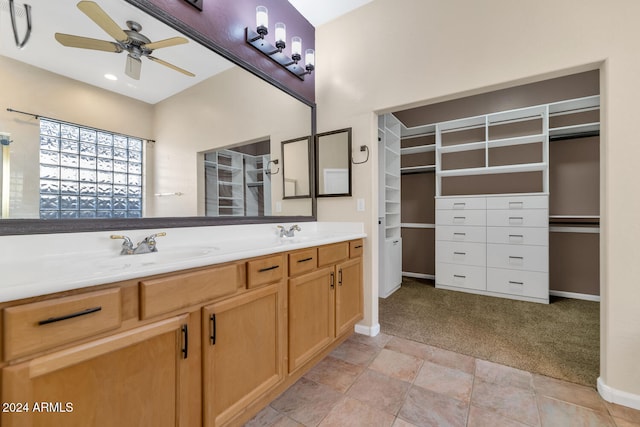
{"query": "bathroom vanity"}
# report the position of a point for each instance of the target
(210, 345)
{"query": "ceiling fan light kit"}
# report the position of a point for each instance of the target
(129, 40)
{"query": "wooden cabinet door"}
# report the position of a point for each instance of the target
(311, 315)
(349, 300)
(243, 351)
(131, 379)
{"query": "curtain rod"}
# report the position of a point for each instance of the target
(38, 116)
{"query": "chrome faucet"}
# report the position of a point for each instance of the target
(148, 245)
(290, 232)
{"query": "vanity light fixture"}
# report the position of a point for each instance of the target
(291, 63)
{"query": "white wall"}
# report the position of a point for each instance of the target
(393, 53)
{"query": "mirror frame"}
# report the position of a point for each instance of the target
(310, 168)
(317, 166)
(17, 226)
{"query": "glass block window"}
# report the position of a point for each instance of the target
(88, 173)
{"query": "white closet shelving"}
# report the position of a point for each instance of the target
(391, 249)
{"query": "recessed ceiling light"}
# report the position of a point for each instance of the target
(110, 77)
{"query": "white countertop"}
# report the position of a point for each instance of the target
(36, 265)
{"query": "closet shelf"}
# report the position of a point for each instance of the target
(418, 149)
(574, 105)
(480, 145)
(526, 167)
(392, 151)
(519, 140)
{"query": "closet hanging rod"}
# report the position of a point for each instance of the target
(574, 135)
(38, 116)
(573, 111)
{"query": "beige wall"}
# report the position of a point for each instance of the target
(214, 114)
(399, 53)
(31, 89)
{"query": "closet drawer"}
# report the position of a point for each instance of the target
(303, 261)
(38, 326)
(515, 257)
(518, 236)
(461, 276)
(518, 202)
(461, 234)
(461, 253)
(461, 203)
(467, 217)
(520, 218)
(524, 283)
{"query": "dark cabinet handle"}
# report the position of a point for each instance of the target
(185, 341)
(212, 319)
(305, 260)
(340, 277)
(357, 247)
(333, 285)
(70, 316)
(273, 267)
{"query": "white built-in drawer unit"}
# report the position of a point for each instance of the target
(494, 245)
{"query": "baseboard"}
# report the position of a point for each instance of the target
(370, 331)
(586, 297)
(619, 397)
(390, 291)
(419, 275)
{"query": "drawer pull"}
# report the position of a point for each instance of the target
(511, 282)
(357, 247)
(516, 220)
(212, 337)
(459, 218)
(517, 236)
(273, 267)
(305, 260)
(340, 277)
(459, 276)
(185, 341)
(333, 277)
(460, 253)
(459, 234)
(459, 205)
(70, 316)
(516, 205)
(516, 257)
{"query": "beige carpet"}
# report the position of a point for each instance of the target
(560, 340)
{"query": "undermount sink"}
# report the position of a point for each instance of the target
(163, 256)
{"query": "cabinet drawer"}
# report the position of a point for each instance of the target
(518, 236)
(461, 276)
(265, 270)
(468, 217)
(165, 294)
(520, 218)
(461, 253)
(524, 283)
(29, 328)
(331, 254)
(518, 202)
(461, 234)
(356, 248)
(461, 203)
(515, 257)
(303, 261)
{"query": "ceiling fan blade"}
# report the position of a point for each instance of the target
(173, 41)
(87, 43)
(104, 21)
(132, 68)
(173, 67)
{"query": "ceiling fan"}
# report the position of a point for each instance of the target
(126, 40)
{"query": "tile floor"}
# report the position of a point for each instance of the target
(390, 381)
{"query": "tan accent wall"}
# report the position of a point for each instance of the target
(574, 263)
(419, 250)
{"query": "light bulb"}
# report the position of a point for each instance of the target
(262, 17)
(296, 48)
(281, 32)
(309, 58)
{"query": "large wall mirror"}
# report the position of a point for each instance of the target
(178, 118)
(296, 168)
(333, 163)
